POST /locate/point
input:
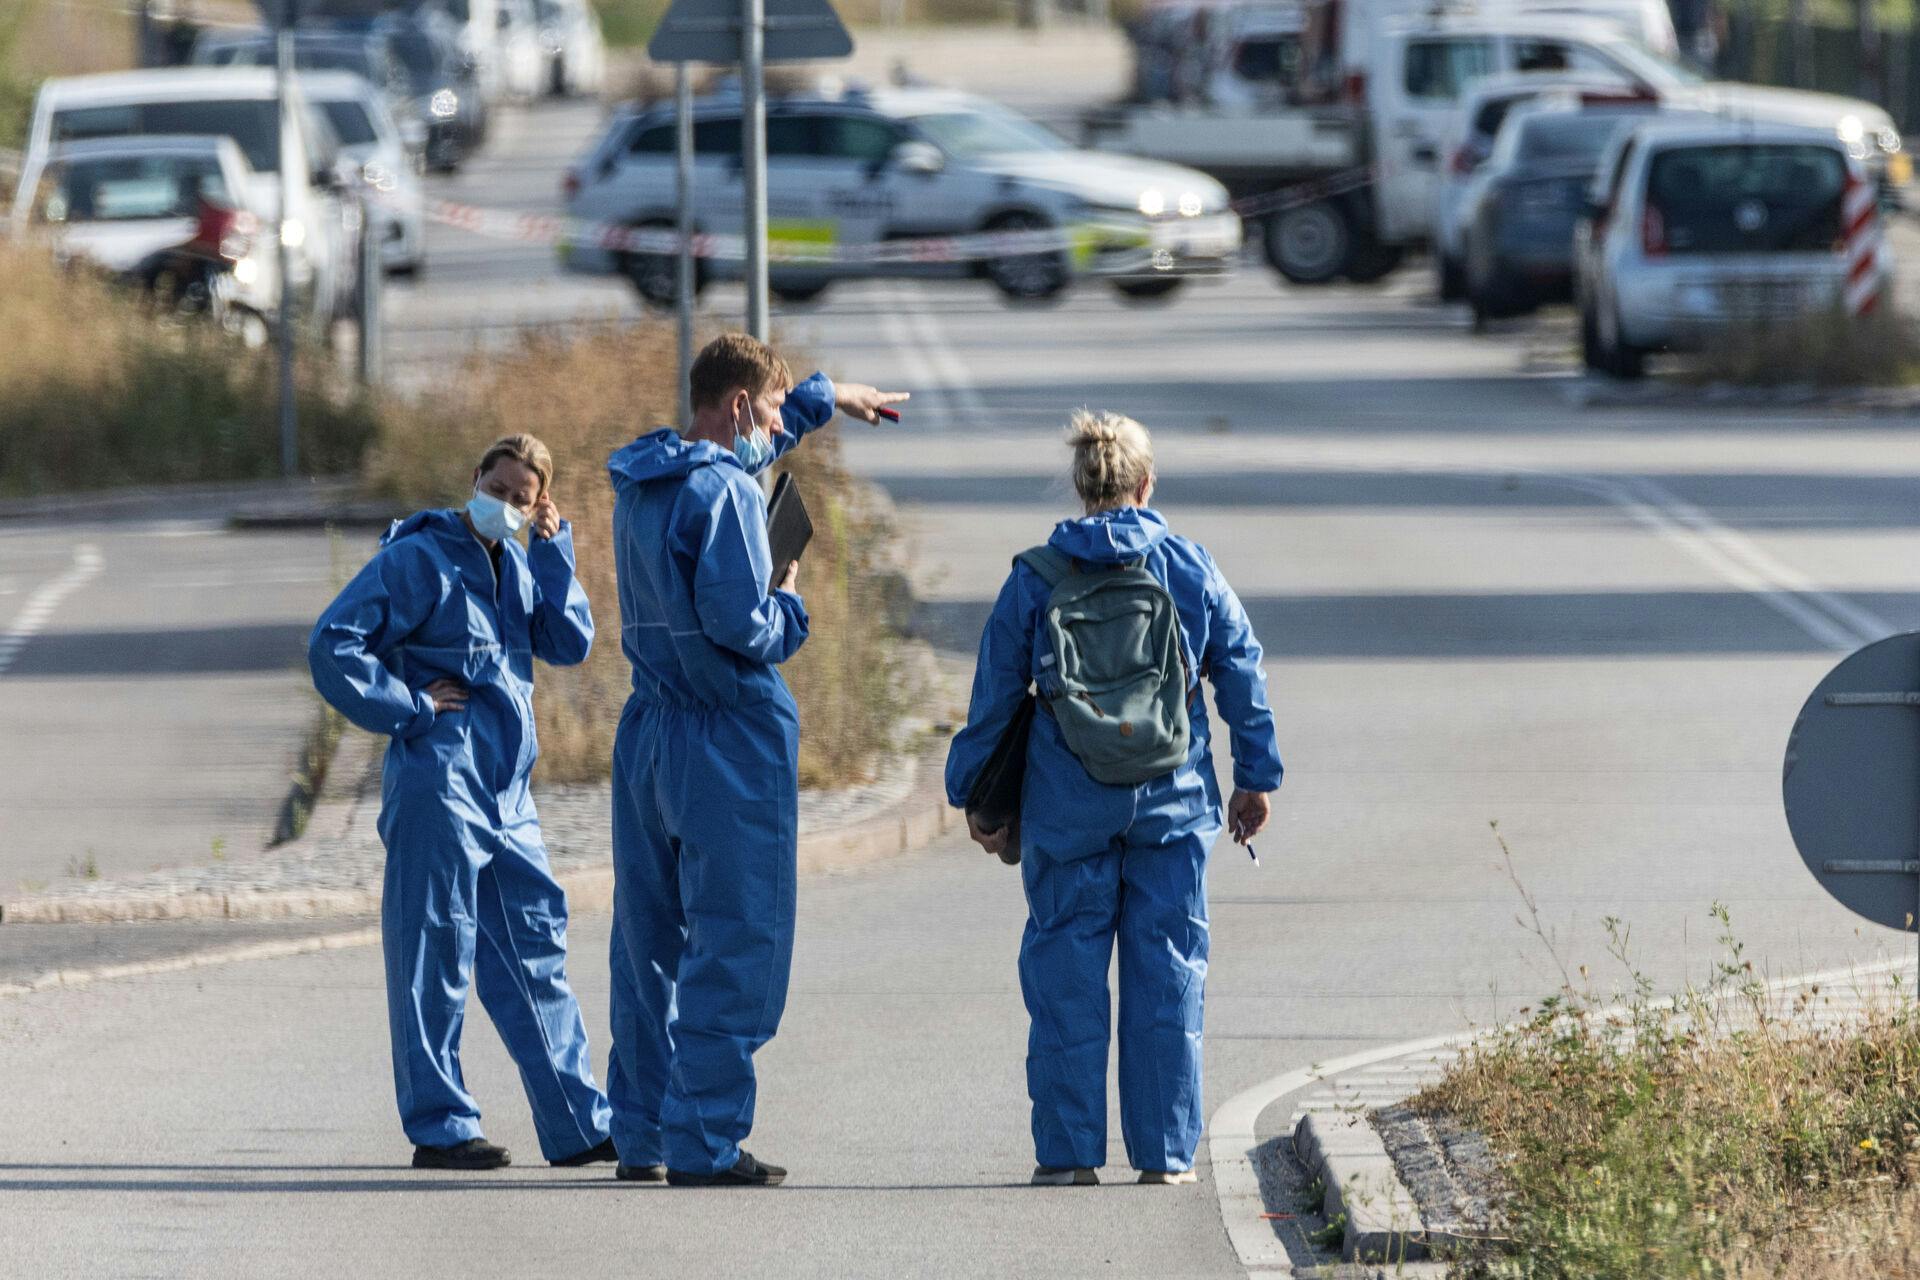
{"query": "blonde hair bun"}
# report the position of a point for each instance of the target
(1112, 458)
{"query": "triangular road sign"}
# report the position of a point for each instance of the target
(709, 31)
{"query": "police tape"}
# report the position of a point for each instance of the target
(1083, 239)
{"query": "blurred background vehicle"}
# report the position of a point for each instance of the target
(171, 215)
(322, 217)
(358, 53)
(370, 139)
(442, 85)
(851, 171)
(522, 59)
(1483, 108)
(1694, 229)
(575, 50)
(1521, 210)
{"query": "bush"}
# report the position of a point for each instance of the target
(1723, 1134)
(95, 393)
(1826, 349)
(585, 397)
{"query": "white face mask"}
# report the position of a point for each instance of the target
(493, 518)
(755, 449)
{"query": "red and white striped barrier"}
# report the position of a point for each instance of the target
(1860, 239)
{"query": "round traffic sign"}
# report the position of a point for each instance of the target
(1852, 781)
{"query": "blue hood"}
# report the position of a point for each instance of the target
(440, 520)
(1110, 537)
(662, 454)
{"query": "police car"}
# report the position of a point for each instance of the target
(970, 187)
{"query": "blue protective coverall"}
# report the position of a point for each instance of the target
(1104, 862)
(468, 893)
(705, 794)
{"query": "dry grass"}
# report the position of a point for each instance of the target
(95, 393)
(1827, 349)
(41, 38)
(586, 396)
(1727, 1134)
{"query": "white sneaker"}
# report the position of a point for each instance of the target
(1169, 1177)
(1046, 1177)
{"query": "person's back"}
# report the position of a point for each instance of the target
(1107, 864)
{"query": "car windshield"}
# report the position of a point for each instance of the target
(965, 135)
(128, 188)
(1571, 141)
(251, 122)
(351, 122)
(1748, 197)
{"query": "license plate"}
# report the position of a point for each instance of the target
(1761, 295)
(1199, 238)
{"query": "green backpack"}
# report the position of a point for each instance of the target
(1115, 670)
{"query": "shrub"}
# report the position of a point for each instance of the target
(95, 393)
(1825, 349)
(586, 396)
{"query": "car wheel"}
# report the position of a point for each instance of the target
(1152, 290)
(1591, 353)
(1372, 261)
(1452, 277)
(1027, 277)
(1308, 245)
(656, 276)
(1618, 357)
(799, 293)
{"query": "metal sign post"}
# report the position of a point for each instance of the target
(750, 32)
(683, 221)
(289, 414)
(1852, 782)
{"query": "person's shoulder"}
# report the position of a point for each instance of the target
(1185, 551)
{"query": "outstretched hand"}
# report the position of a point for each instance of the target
(858, 400)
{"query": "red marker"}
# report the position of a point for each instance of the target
(891, 415)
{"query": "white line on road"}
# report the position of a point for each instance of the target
(910, 305)
(45, 599)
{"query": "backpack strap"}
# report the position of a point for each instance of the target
(1052, 566)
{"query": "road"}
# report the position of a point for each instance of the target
(1480, 604)
(150, 688)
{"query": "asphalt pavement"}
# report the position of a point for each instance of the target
(1481, 603)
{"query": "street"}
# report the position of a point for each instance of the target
(1480, 602)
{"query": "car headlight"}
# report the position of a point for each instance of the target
(1191, 204)
(1889, 139)
(246, 271)
(443, 104)
(293, 233)
(1153, 202)
(1851, 129)
(378, 176)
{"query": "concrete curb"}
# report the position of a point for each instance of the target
(1382, 1220)
(918, 820)
(70, 978)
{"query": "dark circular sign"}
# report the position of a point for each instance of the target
(1852, 781)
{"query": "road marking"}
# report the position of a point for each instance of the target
(44, 599)
(910, 303)
(1233, 1133)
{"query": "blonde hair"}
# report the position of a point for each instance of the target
(1112, 458)
(524, 449)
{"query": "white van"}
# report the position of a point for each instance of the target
(322, 214)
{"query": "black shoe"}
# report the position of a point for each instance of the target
(641, 1172)
(602, 1154)
(474, 1153)
(748, 1172)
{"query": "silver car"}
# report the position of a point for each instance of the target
(848, 174)
(390, 170)
(1694, 229)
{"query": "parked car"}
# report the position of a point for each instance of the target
(576, 51)
(1695, 228)
(370, 138)
(1483, 109)
(322, 216)
(1519, 223)
(172, 215)
(324, 50)
(864, 168)
(444, 90)
(517, 44)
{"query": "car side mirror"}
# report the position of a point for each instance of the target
(922, 158)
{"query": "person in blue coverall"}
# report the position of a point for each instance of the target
(706, 766)
(1126, 865)
(432, 644)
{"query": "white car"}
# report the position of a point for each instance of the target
(1695, 228)
(321, 217)
(371, 139)
(1483, 108)
(139, 207)
(576, 51)
(517, 44)
(853, 172)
